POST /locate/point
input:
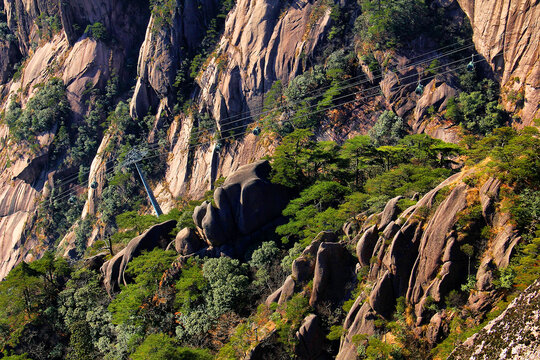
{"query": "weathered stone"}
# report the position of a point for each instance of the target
(389, 213)
(334, 269)
(273, 297)
(246, 202)
(513, 334)
(434, 240)
(364, 323)
(287, 290)
(311, 339)
(113, 270)
(366, 244)
(188, 242)
(489, 193)
(506, 34)
(382, 298)
(436, 329)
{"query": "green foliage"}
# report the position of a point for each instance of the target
(295, 311)
(293, 253)
(97, 31)
(388, 129)
(25, 295)
(336, 331)
(223, 287)
(5, 32)
(388, 23)
(162, 347)
(264, 260)
(291, 159)
(82, 232)
(477, 109)
(228, 283)
(83, 307)
(47, 108)
(505, 279)
(406, 180)
(470, 284)
(145, 271)
(516, 156)
(314, 211)
(191, 286)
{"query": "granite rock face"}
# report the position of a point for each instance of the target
(113, 270)
(165, 46)
(507, 35)
(512, 335)
(418, 255)
(245, 202)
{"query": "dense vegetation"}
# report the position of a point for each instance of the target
(210, 309)
(213, 295)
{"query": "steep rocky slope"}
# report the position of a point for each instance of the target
(507, 34)
(514, 334)
(284, 41)
(78, 61)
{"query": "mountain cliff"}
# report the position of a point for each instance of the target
(199, 89)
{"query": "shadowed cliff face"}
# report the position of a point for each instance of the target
(78, 61)
(507, 34)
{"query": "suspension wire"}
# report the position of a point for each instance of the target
(68, 193)
(72, 178)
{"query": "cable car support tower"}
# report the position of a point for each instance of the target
(132, 158)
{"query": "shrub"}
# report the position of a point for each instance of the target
(44, 110)
(97, 31)
(161, 347)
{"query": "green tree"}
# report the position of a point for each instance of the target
(291, 160)
(162, 347)
(145, 271)
(359, 151)
(388, 129)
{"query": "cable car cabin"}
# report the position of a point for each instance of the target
(257, 131)
(218, 146)
(419, 89)
(470, 66)
(94, 184)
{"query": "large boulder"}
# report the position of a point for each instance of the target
(113, 270)
(311, 340)
(187, 242)
(334, 274)
(245, 203)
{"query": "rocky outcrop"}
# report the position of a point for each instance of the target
(9, 56)
(113, 270)
(512, 335)
(331, 267)
(333, 275)
(245, 202)
(187, 242)
(82, 63)
(311, 340)
(165, 47)
(418, 255)
(263, 41)
(506, 33)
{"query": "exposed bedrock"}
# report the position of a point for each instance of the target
(418, 255)
(114, 270)
(165, 46)
(507, 34)
(245, 203)
(512, 335)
